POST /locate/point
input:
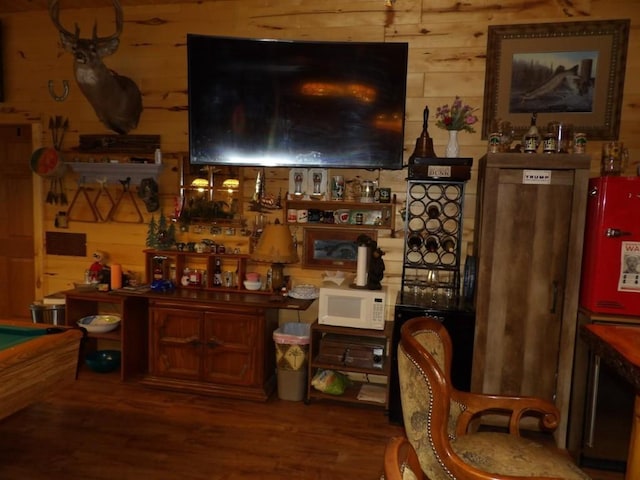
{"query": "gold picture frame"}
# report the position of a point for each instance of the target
(544, 68)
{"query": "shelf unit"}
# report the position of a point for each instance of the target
(115, 172)
(201, 265)
(374, 215)
(130, 337)
(318, 331)
(211, 195)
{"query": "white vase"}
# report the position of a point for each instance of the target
(453, 149)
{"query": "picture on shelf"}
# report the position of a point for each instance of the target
(328, 248)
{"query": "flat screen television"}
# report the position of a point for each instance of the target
(276, 103)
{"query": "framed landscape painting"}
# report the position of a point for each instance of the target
(571, 72)
(333, 248)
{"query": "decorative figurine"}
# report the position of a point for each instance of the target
(376, 269)
(97, 267)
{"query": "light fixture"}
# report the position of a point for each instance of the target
(200, 183)
(231, 184)
(275, 246)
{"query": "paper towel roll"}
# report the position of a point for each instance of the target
(361, 270)
(116, 276)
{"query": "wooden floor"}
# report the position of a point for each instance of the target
(102, 429)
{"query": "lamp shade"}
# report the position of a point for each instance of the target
(275, 245)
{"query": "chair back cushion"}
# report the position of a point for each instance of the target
(417, 396)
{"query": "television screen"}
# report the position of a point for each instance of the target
(277, 103)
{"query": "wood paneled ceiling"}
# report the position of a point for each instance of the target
(13, 6)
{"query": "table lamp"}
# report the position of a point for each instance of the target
(275, 246)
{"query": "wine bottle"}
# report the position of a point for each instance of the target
(217, 274)
(414, 242)
(432, 244)
(531, 139)
(449, 245)
(433, 211)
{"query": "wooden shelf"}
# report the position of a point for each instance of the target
(350, 395)
(114, 172)
(374, 215)
(131, 335)
(205, 262)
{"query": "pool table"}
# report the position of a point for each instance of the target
(34, 360)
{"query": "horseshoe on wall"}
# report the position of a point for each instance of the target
(65, 93)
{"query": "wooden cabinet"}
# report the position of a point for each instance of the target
(130, 337)
(348, 361)
(224, 349)
(529, 235)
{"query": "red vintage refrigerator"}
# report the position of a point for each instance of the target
(611, 261)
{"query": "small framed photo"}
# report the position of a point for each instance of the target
(333, 248)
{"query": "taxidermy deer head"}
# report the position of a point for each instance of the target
(116, 99)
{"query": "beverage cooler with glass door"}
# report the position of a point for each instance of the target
(610, 293)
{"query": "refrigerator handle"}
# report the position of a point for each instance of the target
(593, 402)
(615, 233)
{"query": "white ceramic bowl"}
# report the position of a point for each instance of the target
(252, 285)
(99, 323)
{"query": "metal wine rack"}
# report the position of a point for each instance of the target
(433, 236)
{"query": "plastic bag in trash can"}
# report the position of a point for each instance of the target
(293, 333)
(292, 346)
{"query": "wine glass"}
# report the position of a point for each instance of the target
(432, 281)
(317, 179)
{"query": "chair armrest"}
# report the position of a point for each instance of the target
(401, 461)
(513, 407)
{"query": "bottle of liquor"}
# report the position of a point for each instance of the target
(531, 139)
(217, 273)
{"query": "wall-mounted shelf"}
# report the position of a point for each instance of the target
(343, 214)
(114, 172)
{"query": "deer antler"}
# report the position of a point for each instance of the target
(54, 13)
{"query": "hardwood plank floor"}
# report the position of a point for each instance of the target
(102, 429)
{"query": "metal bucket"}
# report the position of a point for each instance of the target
(53, 314)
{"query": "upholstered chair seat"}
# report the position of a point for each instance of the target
(440, 421)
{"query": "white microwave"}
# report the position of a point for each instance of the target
(352, 307)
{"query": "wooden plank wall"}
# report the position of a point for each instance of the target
(447, 50)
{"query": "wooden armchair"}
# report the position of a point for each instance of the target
(401, 461)
(437, 419)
